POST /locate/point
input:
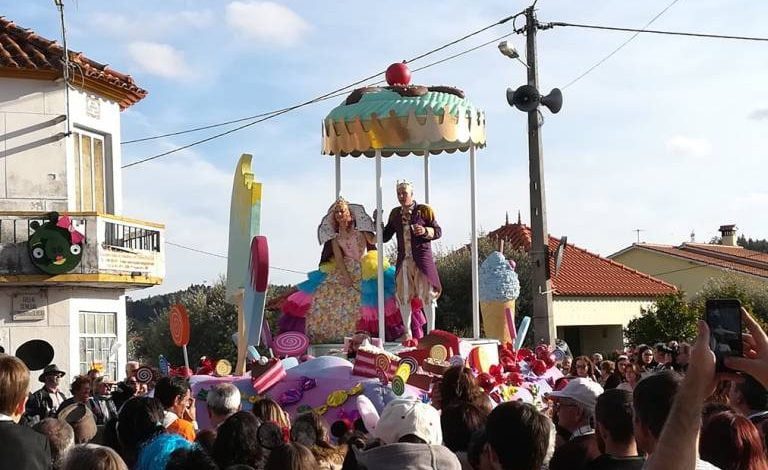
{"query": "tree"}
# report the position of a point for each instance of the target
(454, 311)
(752, 294)
(750, 244)
(212, 320)
(670, 318)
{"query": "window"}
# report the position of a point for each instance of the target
(98, 335)
(92, 183)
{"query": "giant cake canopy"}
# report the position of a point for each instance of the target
(403, 119)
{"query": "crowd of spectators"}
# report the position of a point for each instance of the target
(654, 407)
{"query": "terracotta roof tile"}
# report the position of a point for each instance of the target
(23, 50)
(734, 258)
(587, 274)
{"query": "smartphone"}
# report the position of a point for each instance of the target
(723, 316)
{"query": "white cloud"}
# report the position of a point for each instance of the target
(153, 25)
(759, 114)
(266, 22)
(689, 147)
(159, 59)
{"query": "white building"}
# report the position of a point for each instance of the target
(43, 168)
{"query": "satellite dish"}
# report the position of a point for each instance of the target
(559, 252)
(36, 354)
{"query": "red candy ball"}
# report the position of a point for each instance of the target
(486, 381)
(398, 74)
(525, 354)
(515, 379)
(542, 351)
(539, 367)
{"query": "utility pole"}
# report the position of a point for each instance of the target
(543, 322)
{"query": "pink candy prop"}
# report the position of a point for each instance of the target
(510, 323)
(292, 344)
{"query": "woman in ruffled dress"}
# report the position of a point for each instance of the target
(340, 298)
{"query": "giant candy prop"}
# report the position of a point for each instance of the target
(247, 259)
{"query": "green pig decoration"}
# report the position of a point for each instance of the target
(55, 247)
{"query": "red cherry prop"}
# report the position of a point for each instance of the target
(542, 351)
(515, 379)
(539, 367)
(486, 382)
(524, 354)
(398, 74)
(550, 360)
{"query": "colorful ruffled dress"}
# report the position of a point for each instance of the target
(326, 310)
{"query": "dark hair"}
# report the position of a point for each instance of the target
(79, 382)
(652, 399)
(170, 388)
(614, 411)
(731, 442)
(755, 395)
(140, 419)
(191, 459)
(206, 438)
(640, 350)
(237, 441)
(459, 423)
(711, 409)
(459, 386)
(60, 435)
(590, 367)
(523, 425)
(475, 449)
(316, 424)
(291, 456)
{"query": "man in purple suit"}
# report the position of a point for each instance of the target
(415, 226)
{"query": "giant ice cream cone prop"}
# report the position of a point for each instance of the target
(499, 288)
(494, 320)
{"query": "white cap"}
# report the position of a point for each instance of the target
(581, 390)
(406, 416)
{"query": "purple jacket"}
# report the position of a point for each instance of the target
(421, 246)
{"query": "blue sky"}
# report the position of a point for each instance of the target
(669, 135)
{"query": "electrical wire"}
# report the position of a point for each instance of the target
(217, 255)
(657, 31)
(322, 97)
(621, 46)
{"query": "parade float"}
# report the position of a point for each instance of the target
(354, 384)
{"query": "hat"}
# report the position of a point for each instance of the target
(82, 421)
(51, 369)
(581, 390)
(402, 417)
(622, 357)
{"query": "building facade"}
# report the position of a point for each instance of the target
(689, 266)
(593, 298)
(67, 255)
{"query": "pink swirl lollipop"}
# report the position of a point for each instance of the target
(291, 343)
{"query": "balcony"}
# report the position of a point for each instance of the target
(116, 251)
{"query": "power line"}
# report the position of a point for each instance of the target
(268, 115)
(656, 31)
(462, 52)
(333, 94)
(217, 255)
(621, 46)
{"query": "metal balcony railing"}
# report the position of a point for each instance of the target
(135, 238)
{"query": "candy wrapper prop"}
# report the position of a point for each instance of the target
(499, 289)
